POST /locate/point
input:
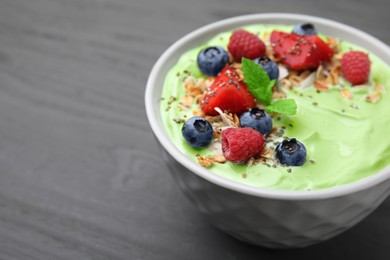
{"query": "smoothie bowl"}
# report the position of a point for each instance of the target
(289, 160)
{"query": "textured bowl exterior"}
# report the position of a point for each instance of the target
(263, 217)
(276, 223)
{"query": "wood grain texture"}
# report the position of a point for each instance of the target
(80, 173)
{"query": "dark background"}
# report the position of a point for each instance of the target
(80, 173)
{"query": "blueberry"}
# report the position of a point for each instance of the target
(257, 119)
(198, 132)
(268, 66)
(211, 60)
(291, 152)
(304, 29)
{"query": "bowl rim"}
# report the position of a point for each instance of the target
(202, 172)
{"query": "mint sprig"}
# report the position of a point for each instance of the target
(260, 85)
(283, 106)
(257, 81)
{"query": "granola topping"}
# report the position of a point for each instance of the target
(312, 87)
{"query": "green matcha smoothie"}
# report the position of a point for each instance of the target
(346, 139)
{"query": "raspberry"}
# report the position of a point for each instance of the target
(241, 144)
(355, 67)
(245, 44)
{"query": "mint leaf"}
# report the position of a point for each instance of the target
(283, 106)
(260, 86)
(257, 81)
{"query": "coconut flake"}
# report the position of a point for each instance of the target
(283, 72)
(308, 81)
(224, 118)
(217, 148)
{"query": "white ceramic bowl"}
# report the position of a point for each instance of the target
(270, 218)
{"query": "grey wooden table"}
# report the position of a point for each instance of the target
(80, 173)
